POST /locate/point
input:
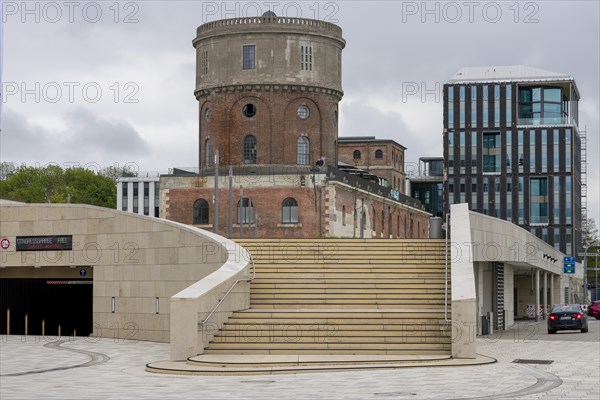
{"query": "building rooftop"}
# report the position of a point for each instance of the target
(506, 73)
(363, 139)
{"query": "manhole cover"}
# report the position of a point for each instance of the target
(526, 361)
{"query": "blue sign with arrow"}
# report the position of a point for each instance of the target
(569, 265)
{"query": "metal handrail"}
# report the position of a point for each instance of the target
(248, 280)
(446, 274)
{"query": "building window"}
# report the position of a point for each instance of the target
(204, 62)
(245, 211)
(124, 198)
(538, 200)
(250, 149)
(378, 153)
(461, 106)
(200, 212)
(135, 197)
(306, 54)
(303, 112)
(473, 106)
(156, 198)
(343, 215)
(356, 155)
(541, 105)
(249, 110)
(491, 152)
(248, 57)
(485, 106)
(450, 107)
(207, 114)
(303, 150)
(289, 211)
(146, 198)
(208, 153)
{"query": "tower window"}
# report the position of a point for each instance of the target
(248, 57)
(378, 153)
(245, 211)
(204, 63)
(200, 212)
(306, 54)
(249, 110)
(207, 153)
(289, 211)
(250, 149)
(303, 150)
(303, 112)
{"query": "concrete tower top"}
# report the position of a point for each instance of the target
(270, 52)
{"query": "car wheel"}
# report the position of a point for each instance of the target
(551, 331)
(584, 330)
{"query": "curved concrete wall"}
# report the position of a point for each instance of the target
(135, 259)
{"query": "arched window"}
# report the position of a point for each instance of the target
(245, 211)
(356, 155)
(250, 149)
(200, 212)
(208, 161)
(303, 150)
(289, 211)
(378, 153)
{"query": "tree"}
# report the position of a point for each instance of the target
(589, 233)
(115, 172)
(52, 184)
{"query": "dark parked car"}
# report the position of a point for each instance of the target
(594, 309)
(567, 317)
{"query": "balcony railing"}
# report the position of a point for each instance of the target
(546, 121)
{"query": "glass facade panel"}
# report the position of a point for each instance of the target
(520, 149)
(532, 148)
(509, 151)
(538, 200)
(135, 197)
(508, 105)
(544, 150)
(156, 198)
(496, 105)
(568, 150)
(556, 190)
(124, 197)
(450, 103)
(521, 197)
(485, 100)
(463, 152)
(451, 153)
(146, 198)
(568, 200)
(473, 106)
(509, 199)
(555, 152)
(491, 152)
(473, 152)
(461, 106)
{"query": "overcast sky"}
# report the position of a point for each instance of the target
(106, 82)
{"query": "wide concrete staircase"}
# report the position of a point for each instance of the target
(342, 297)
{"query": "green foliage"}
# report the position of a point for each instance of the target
(52, 184)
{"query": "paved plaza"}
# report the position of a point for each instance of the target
(34, 367)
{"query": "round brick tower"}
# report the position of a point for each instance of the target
(268, 90)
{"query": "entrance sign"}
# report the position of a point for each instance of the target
(44, 243)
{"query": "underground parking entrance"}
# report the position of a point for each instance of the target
(51, 301)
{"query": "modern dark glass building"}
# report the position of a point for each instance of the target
(512, 149)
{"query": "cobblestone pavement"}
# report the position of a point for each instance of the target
(34, 367)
